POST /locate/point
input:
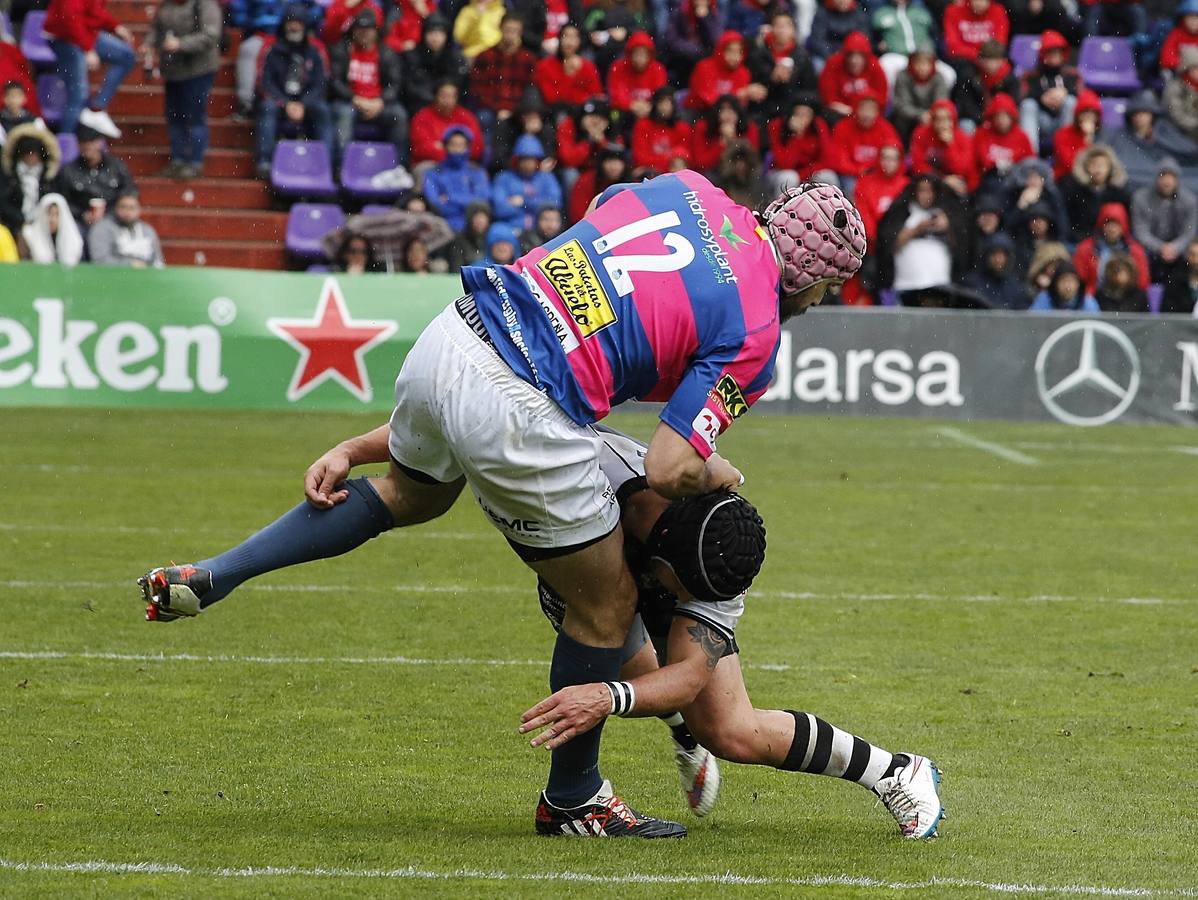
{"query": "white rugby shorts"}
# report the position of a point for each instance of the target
(461, 411)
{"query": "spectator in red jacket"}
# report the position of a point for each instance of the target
(1000, 142)
(943, 148)
(1077, 135)
(636, 76)
(430, 124)
(992, 75)
(341, 13)
(970, 23)
(611, 167)
(878, 187)
(724, 73)
(567, 78)
(1184, 34)
(406, 30)
(84, 34)
(852, 72)
(724, 123)
(1112, 235)
(800, 142)
(858, 139)
(661, 140)
(15, 67)
(582, 135)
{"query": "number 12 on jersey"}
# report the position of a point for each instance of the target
(620, 268)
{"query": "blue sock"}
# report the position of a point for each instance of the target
(574, 773)
(301, 535)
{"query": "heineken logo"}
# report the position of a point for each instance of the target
(63, 352)
(332, 346)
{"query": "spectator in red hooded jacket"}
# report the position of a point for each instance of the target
(567, 78)
(1077, 135)
(339, 16)
(430, 124)
(15, 67)
(407, 29)
(1000, 142)
(636, 76)
(851, 73)
(942, 148)
(724, 73)
(857, 140)
(1184, 34)
(970, 23)
(800, 142)
(724, 124)
(1112, 235)
(84, 34)
(878, 187)
(1049, 91)
(661, 140)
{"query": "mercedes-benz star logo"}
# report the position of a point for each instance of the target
(1088, 374)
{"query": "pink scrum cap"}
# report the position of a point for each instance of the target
(818, 233)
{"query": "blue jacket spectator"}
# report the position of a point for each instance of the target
(451, 186)
(1065, 294)
(520, 191)
(834, 21)
(503, 245)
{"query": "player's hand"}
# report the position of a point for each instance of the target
(324, 475)
(722, 475)
(570, 712)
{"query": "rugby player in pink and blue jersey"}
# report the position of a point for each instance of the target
(666, 291)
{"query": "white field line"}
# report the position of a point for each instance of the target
(815, 596)
(1192, 451)
(103, 867)
(998, 450)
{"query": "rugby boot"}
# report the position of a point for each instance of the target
(912, 795)
(700, 774)
(604, 815)
(174, 592)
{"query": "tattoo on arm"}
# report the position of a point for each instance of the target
(712, 642)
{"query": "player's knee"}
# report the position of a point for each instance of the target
(729, 744)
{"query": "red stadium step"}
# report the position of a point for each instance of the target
(226, 77)
(205, 193)
(218, 224)
(143, 100)
(218, 163)
(150, 131)
(131, 12)
(228, 254)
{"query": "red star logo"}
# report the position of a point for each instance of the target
(331, 345)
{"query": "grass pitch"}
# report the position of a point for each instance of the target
(352, 723)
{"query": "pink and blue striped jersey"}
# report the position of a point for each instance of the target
(668, 291)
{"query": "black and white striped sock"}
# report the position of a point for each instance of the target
(823, 749)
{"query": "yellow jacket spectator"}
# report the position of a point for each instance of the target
(477, 26)
(8, 247)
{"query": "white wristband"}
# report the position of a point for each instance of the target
(623, 697)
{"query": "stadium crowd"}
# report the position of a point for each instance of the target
(983, 180)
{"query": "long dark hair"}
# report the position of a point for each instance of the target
(661, 94)
(713, 115)
(802, 99)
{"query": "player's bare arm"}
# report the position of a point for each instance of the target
(695, 650)
(334, 466)
(675, 469)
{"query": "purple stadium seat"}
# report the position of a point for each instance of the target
(52, 94)
(1024, 52)
(69, 145)
(1113, 111)
(307, 224)
(363, 160)
(319, 267)
(302, 169)
(33, 41)
(1156, 293)
(888, 297)
(1108, 66)
(377, 209)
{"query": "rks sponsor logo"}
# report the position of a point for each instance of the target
(126, 356)
(728, 392)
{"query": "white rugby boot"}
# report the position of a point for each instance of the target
(699, 772)
(912, 795)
